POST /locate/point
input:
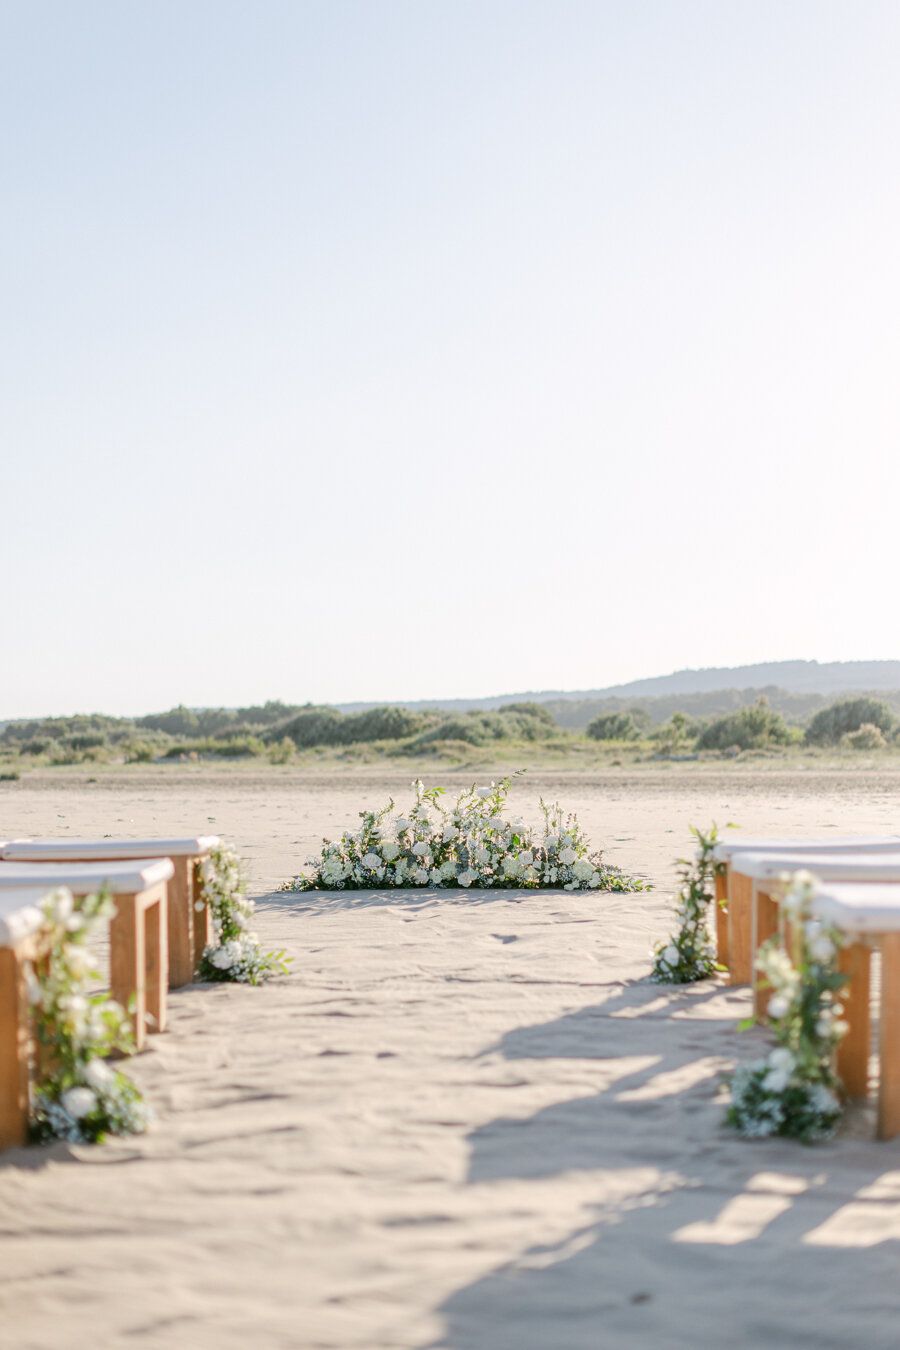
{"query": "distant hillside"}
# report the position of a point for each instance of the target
(792, 677)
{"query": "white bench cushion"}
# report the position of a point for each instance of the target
(85, 850)
(122, 878)
(865, 867)
(859, 908)
(19, 915)
(861, 843)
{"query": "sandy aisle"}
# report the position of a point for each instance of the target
(465, 1123)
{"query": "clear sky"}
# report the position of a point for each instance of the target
(415, 348)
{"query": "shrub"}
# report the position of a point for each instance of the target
(614, 726)
(866, 737)
(677, 734)
(314, 726)
(754, 728)
(829, 726)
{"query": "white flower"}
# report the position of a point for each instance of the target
(779, 1005)
(583, 869)
(821, 948)
(526, 858)
(420, 849)
(420, 876)
(776, 1080)
(403, 824)
(467, 877)
(371, 860)
(496, 823)
(79, 1102)
(567, 856)
(390, 851)
(448, 870)
(222, 958)
(671, 955)
(450, 832)
(482, 854)
(98, 1074)
(781, 1058)
(58, 905)
(484, 792)
(551, 842)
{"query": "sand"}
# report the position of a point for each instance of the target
(464, 1121)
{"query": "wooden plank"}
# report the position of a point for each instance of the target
(740, 913)
(854, 960)
(14, 1049)
(722, 917)
(202, 925)
(127, 962)
(181, 923)
(764, 926)
(889, 1048)
(157, 963)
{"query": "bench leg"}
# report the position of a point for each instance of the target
(740, 907)
(765, 926)
(181, 923)
(722, 918)
(14, 1050)
(889, 1048)
(202, 925)
(157, 970)
(854, 960)
(127, 963)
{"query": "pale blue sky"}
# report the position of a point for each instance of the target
(410, 348)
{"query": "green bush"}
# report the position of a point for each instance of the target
(614, 726)
(757, 727)
(679, 733)
(238, 747)
(866, 737)
(840, 719)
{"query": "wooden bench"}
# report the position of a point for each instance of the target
(734, 922)
(189, 930)
(869, 913)
(21, 928)
(138, 933)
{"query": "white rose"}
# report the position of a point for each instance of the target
(551, 842)
(420, 876)
(98, 1074)
(420, 849)
(781, 1058)
(467, 877)
(779, 1005)
(776, 1080)
(822, 948)
(526, 858)
(390, 851)
(671, 955)
(371, 860)
(450, 832)
(484, 792)
(496, 823)
(403, 824)
(448, 870)
(79, 1102)
(222, 958)
(567, 856)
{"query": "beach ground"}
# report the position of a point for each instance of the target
(465, 1120)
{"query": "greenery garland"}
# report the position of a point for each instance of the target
(78, 1096)
(470, 844)
(234, 955)
(690, 954)
(795, 1091)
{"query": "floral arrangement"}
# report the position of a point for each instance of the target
(234, 955)
(470, 844)
(78, 1096)
(794, 1091)
(690, 955)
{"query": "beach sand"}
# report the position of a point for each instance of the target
(464, 1121)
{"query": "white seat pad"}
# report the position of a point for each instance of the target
(19, 915)
(865, 867)
(122, 878)
(859, 908)
(861, 843)
(85, 850)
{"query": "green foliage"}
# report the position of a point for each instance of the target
(849, 715)
(755, 728)
(689, 955)
(231, 747)
(679, 733)
(866, 737)
(234, 955)
(614, 726)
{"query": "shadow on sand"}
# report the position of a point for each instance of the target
(720, 1241)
